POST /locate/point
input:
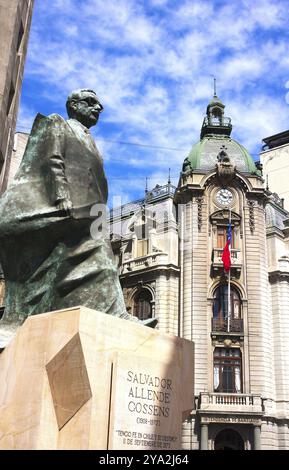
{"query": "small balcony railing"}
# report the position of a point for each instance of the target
(215, 121)
(144, 262)
(221, 325)
(236, 259)
(230, 402)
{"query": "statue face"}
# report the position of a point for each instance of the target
(87, 109)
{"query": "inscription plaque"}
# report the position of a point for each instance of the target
(145, 405)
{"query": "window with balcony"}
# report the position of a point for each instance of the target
(142, 248)
(222, 237)
(142, 306)
(142, 230)
(227, 370)
(222, 321)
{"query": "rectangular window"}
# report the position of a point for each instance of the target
(1, 160)
(227, 370)
(142, 248)
(10, 98)
(20, 36)
(222, 237)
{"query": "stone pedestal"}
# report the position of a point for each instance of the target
(80, 379)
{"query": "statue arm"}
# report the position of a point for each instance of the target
(60, 189)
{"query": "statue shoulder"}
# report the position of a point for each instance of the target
(45, 123)
(56, 119)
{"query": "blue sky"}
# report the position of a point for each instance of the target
(151, 63)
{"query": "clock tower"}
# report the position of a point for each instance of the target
(233, 366)
(169, 249)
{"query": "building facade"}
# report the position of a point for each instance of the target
(275, 160)
(15, 20)
(18, 149)
(169, 251)
(145, 243)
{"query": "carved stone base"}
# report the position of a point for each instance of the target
(80, 379)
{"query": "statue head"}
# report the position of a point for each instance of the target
(84, 106)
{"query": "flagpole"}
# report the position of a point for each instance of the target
(229, 286)
(229, 295)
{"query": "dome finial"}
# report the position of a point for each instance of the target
(215, 122)
(215, 87)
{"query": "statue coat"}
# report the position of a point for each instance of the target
(49, 258)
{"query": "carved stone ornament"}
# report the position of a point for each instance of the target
(225, 169)
(200, 201)
(251, 205)
(187, 167)
(222, 216)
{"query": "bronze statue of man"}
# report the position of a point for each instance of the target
(49, 259)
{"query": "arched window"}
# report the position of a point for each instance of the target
(220, 309)
(142, 307)
(216, 116)
(227, 370)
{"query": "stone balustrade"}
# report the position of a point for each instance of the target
(150, 260)
(236, 259)
(230, 402)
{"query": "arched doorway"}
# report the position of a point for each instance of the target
(228, 439)
(142, 306)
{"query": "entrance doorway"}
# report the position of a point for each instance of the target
(228, 439)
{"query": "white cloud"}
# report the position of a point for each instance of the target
(151, 63)
(25, 119)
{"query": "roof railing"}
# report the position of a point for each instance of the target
(217, 121)
(158, 192)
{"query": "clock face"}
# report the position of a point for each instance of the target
(224, 197)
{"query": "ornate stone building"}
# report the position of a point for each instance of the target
(145, 242)
(169, 247)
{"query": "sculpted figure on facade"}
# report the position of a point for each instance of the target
(226, 170)
(49, 258)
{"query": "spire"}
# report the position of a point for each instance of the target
(169, 178)
(215, 122)
(215, 87)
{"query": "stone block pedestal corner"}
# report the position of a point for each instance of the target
(81, 379)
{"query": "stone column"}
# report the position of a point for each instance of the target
(204, 437)
(257, 437)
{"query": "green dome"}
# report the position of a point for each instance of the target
(204, 154)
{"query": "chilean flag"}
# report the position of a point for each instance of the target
(226, 256)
